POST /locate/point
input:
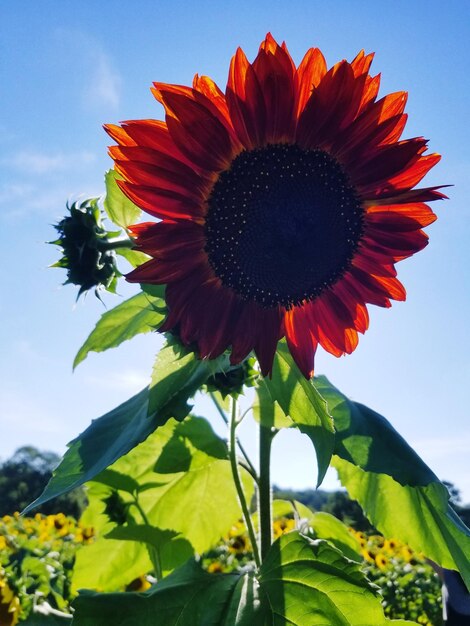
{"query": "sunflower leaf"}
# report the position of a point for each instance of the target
(368, 440)
(420, 516)
(118, 207)
(140, 314)
(303, 404)
(400, 495)
(134, 257)
(179, 512)
(323, 525)
(301, 582)
(177, 376)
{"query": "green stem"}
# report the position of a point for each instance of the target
(238, 483)
(249, 465)
(153, 551)
(113, 244)
(264, 491)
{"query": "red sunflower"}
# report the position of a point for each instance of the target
(284, 203)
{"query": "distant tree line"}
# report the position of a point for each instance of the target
(24, 476)
(339, 504)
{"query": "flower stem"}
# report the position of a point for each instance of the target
(264, 492)
(153, 550)
(113, 244)
(238, 482)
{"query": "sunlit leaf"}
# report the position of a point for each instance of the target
(368, 440)
(400, 495)
(140, 314)
(268, 412)
(109, 564)
(419, 516)
(186, 507)
(134, 257)
(118, 207)
(301, 582)
(193, 495)
(177, 375)
(323, 525)
(301, 401)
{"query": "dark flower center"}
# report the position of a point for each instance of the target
(282, 224)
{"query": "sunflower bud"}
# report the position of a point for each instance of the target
(233, 381)
(88, 249)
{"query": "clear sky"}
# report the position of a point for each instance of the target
(68, 67)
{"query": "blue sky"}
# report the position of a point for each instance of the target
(68, 67)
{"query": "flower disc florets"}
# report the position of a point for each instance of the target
(282, 224)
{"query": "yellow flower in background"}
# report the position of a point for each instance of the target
(392, 545)
(381, 561)
(239, 545)
(237, 529)
(9, 605)
(139, 584)
(406, 553)
(367, 556)
(282, 525)
(359, 536)
(215, 568)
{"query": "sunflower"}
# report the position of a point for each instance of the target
(9, 604)
(284, 203)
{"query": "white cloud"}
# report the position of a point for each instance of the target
(102, 83)
(35, 162)
(105, 83)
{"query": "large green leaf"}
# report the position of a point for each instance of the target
(109, 564)
(186, 482)
(400, 495)
(302, 582)
(177, 375)
(322, 525)
(301, 401)
(119, 208)
(121, 553)
(188, 597)
(140, 314)
(308, 582)
(419, 516)
(185, 503)
(368, 440)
